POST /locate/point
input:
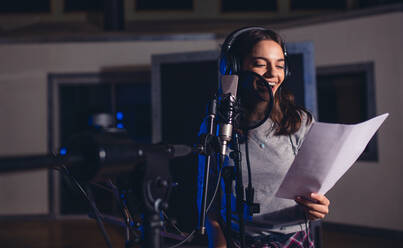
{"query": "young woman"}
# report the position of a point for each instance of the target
(271, 149)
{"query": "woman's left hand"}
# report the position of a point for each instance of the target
(316, 207)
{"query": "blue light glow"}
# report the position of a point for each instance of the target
(119, 116)
(120, 125)
(63, 151)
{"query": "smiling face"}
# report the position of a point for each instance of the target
(267, 60)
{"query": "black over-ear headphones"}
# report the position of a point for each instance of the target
(230, 64)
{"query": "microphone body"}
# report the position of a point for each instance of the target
(227, 109)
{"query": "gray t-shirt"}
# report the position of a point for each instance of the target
(270, 158)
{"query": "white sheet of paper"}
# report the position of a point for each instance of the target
(327, 152)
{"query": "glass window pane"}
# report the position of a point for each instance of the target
(25, 6)
(342, 98)
(251, 5)
(164, 5)
(317, 4)
(370, 3)
(79, 5)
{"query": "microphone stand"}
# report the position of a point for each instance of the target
(239, 189)
(206, 141)
(230, 174)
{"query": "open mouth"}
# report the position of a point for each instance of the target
(272, 84)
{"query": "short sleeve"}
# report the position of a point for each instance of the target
(298, 137)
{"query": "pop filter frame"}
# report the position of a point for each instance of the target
(245, 87)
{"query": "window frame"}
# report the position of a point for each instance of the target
(55, 81)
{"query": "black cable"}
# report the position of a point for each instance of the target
(173, 224)
(184, 241)
(248, 161)
(207, 209)
(98, 219)
(308, 230)
(239, 189)
(89, 198)
(127, 217)
(217, 186)
(250, 191)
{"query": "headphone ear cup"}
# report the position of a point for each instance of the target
(235, 65)
(229, 64)
(287, 72)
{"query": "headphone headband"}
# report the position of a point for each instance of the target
(232, 36)
(230, 64)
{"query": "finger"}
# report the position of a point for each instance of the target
(309, 205)
(314, 215)
(320, 198)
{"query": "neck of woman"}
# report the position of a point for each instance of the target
(256, 111)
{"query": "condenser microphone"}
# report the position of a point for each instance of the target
(229, 85)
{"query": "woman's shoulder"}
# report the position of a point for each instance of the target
(307, 120)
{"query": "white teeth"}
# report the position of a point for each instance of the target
(272, 84)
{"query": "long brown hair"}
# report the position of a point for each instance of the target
(286, 115)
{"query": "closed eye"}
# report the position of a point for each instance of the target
(259, 65)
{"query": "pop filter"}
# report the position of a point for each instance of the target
(253, 88)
